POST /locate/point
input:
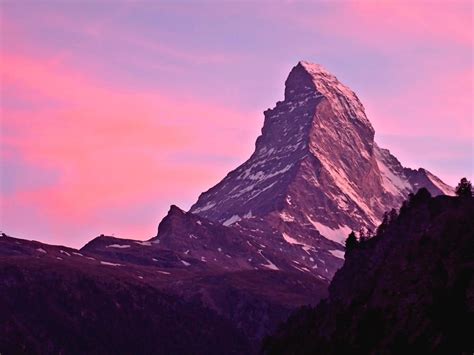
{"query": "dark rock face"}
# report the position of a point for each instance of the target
(409, 289)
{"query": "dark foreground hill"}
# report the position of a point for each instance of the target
(57, 307)
(137, 300)
(408, 290)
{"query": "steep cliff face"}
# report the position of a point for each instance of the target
(316, 173)
(409, 289)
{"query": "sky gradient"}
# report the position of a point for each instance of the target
(111, 111)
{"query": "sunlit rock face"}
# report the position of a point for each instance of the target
(316, 173)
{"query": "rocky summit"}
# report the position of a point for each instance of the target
(315, 175)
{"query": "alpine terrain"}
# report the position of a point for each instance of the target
(264, 241)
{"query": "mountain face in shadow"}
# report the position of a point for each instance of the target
(409, 289)
(67, 305)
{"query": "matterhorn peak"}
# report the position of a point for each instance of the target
(313, 68)
(316, 173)
(310, 78)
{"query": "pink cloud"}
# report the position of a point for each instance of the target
(111, 147)
(387, 24)
(436, 102)
(400, 20)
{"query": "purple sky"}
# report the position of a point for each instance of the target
(111, 111)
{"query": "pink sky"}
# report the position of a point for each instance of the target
(112, 111)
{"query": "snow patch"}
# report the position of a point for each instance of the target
(301, 268)
(337, 253)
(206, 207)
(290, 240)
(233, 219)
(110, 264)
(248, 214)
(41, 250)
(118, 246)
(338, 235)
(260, 175)
(390, 181)
(269, 264)
(286, 217)
(293, 241)
(146, 244)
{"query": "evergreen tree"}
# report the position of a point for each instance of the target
(422, 196)
(383, 225)
(351, 242)
(363, 235)
(369, 234)
(464, 188)
(392, 215)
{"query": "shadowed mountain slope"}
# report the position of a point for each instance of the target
(410, 289)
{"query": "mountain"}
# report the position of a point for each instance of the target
(263, 242)
(316, 173)
(410, 289)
